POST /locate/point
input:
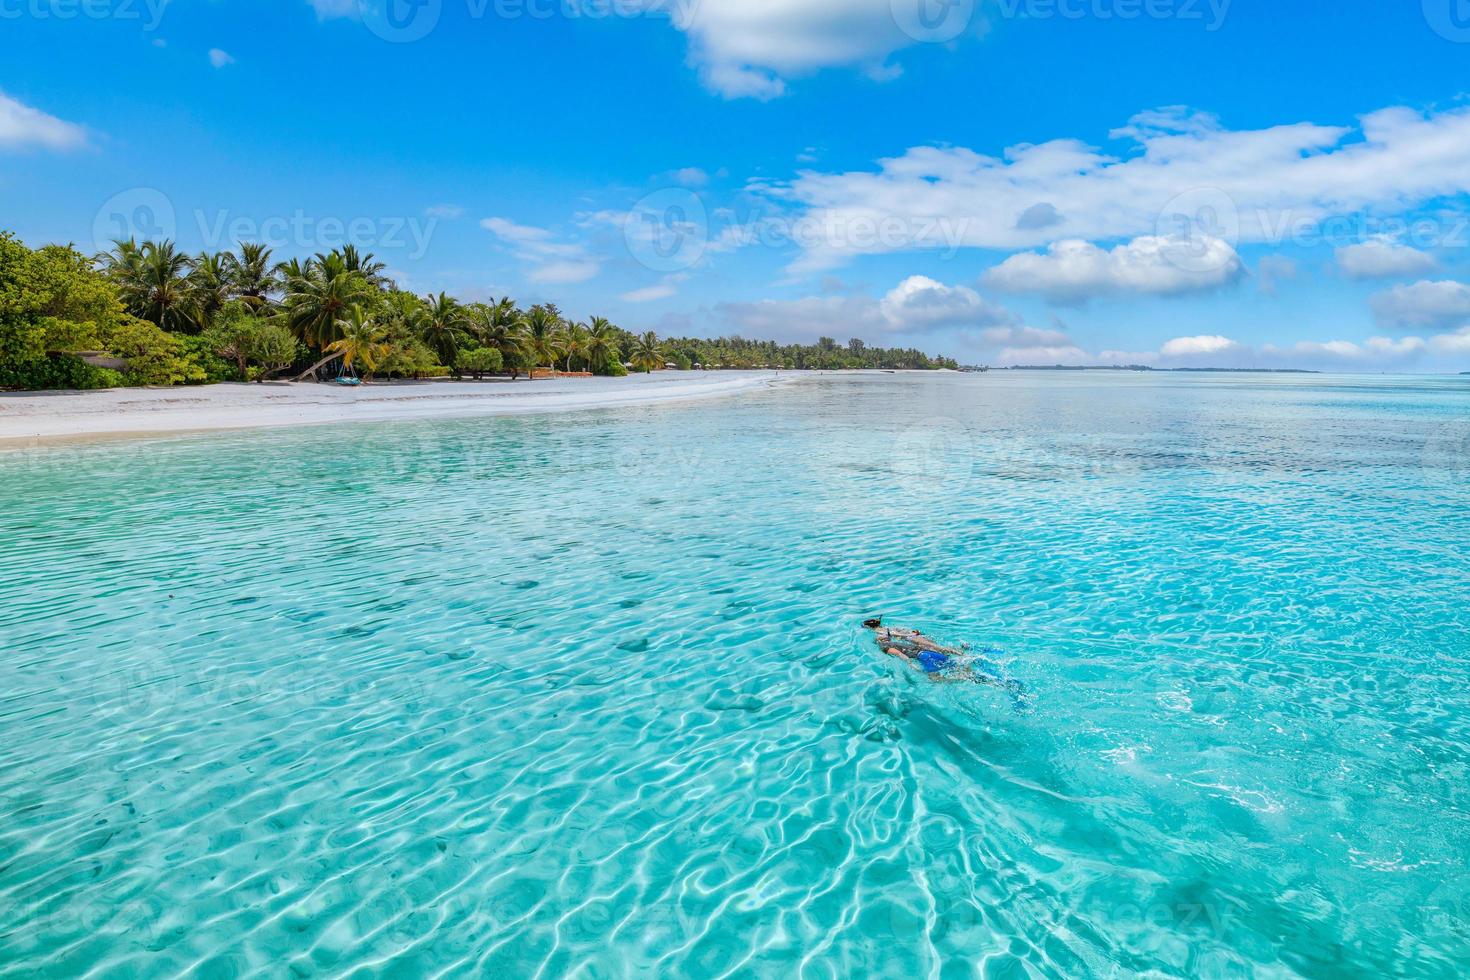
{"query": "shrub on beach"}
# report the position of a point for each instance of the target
(479, 362)
(202, 354)
(154, 356)
(57, 372)
(52, 302)
(410, 359)
(251, 342)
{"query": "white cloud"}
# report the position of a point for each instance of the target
(447, 212)
(1425, 304)
(921, 303)
(748, 48)
(1203, 345)
(1075, 271)
(23, 126)
(1241, 186)
(1374, 352)
(564, 272)
(552, 261)
(1213, 350)
(689, 177)
(1452, 343)
(916, 304)
(1382, 260)
(650, 293)
(219, 58)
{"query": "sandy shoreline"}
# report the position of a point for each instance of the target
(30, 419)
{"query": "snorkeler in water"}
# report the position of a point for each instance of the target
(942, 664)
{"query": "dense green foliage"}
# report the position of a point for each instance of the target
(238, 316)
(826, 355)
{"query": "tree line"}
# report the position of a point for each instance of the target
(147, 313)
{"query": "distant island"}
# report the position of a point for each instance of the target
(1145, 367)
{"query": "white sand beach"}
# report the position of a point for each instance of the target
(40, 418)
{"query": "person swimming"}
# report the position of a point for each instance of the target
(942, 664)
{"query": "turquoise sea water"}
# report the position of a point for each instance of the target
(587, 694)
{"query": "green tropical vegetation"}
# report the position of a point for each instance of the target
(147, 313)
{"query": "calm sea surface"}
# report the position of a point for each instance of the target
(588, 694)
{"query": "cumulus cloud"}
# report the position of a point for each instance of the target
(921, 303)
(22, 126)
(1452, 343)
(1071, 272)
(220, 58)
(552, 261)
(749, 48)
(1174, 169)
(1382, 260)
(1423, 305)
(1203, 345)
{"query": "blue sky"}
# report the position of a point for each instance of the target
(1175, 182)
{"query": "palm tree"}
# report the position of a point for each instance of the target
(360, 340)
(648, 356)
(318, 296)
(154, 281)
(123, 262)
(601, 345)
(210, 280)
(502, 326)
(574, 343)
(442, 323)
(252, 279)
(363, 265)
(541, 340)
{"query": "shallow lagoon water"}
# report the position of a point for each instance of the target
(587, 694)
